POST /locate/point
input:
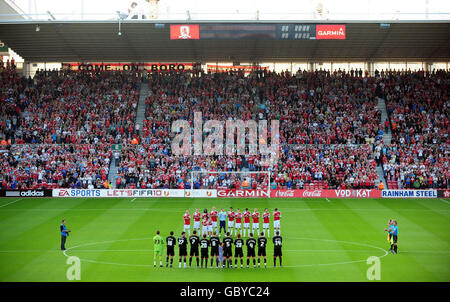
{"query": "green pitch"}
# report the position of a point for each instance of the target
(323, 240)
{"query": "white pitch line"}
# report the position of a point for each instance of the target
(4, 205)
(133, 199)
(327, 199)
(443, 200)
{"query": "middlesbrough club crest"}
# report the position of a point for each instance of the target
(184, 32)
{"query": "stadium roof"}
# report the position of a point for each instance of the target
(143, 41)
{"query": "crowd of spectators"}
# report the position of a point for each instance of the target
(40, 166)
(316, 110)
(57, 107)
(418, 108)
(417, 166)
(59, 126)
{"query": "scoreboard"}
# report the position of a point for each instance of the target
(288, 31)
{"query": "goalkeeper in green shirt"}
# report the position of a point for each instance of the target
(158, 241)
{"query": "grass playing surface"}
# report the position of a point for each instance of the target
(323, 240)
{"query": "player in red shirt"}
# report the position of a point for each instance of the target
(246, 215)
(213, 214)
(266, 216)
(238, 222)
(187, 222)
(210, 227)
(205, 214)
(205, 226)
(230, 220)
(255, 224)
(197, 217)
(276, 221)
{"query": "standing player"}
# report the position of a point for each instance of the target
(213, 216)
(227, 253)
(238, 252)
(255, 225)
(196, 217)
(262, 243)
(277, 241)
(266, 217)
(222, 220)
(210, 227)
(205, 226)
(205, 214)
(194, 240)
(246, 221)
(215, 243)
(158, 242)
(251, 244)
(170, 242)
(230, 220)
(182, 246)
(187, 222)
(238, 223)
(276, 221)
(204, 244)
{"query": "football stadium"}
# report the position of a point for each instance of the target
(236, 141)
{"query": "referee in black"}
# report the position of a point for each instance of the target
(64, 233)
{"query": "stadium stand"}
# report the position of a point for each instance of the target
(59, 128)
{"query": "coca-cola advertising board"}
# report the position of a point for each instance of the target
(361, 193)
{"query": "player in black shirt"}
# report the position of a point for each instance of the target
(277, 240)
(238, 252)
(214, 242)
(170, 242)
(227, 253)
(182, 245)
(194, 240)
(204, 243)
(262, 242)
(251, 244)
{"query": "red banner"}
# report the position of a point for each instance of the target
(330, 32)
(242, 193)
(184, 32)
(362, 193)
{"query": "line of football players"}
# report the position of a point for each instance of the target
(208, 222)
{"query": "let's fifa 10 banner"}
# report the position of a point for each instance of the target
(227, 193)
(148, 193)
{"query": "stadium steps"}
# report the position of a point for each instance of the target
(140, 115)
(380, 173)
(384, 116)
(113, 171)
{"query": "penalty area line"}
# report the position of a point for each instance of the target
(443, 200)
(4, 205)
